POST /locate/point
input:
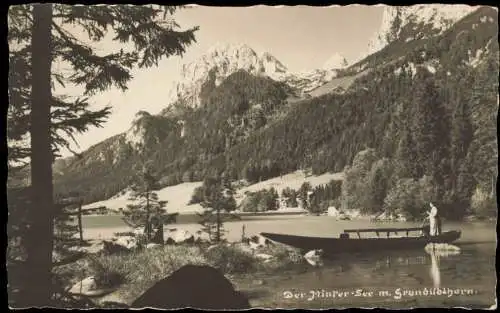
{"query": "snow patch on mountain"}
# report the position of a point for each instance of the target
(431, 68)
(412, 68)
(475, 59)
(305, 82)
(336, 61)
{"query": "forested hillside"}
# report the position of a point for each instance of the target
(175, 142)
(420, 120)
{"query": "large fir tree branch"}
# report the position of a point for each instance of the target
(96, 73)
(137, 24)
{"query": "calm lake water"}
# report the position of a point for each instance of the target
(387, 280)
(400, 279)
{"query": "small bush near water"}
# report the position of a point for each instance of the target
(285, 258)
(105, 275)
(231, 260)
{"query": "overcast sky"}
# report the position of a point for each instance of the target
(301, 37)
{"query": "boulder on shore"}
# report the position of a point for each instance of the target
(138, 231)
(169, 241)
(179, 236)
(88, 287)
(95, 247)
(196, 286)
(127, 242)
(314, 257)
(84, 286)
(264, 257)
(111, 247)
(152, 245)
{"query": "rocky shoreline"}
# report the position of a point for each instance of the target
(250, 256)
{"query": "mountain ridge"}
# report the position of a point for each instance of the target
(263, 138)
(396, 18)
(224, 59)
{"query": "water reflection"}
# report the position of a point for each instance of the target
(436, 252)
(435, 273)
(409, 273)
(420, 267)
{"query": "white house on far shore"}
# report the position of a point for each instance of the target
(333, 211)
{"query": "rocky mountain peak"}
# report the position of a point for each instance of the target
(222, 60)
(415, 22)
(336, 61)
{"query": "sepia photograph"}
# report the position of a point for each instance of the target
(235, 158)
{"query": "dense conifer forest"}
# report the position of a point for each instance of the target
(420, 120)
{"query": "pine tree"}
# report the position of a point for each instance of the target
(430, 128)
(274, 199)
(228, 193)
(67, 226)
(49, 120)
(304, 194)
(147, 211)
(217, 202)
(464, 189)
(406, 161)
(315, 205)
(461, 133)
(379, 184)
(484, 111)
(461, 138)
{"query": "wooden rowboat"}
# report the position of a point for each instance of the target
(395, 238)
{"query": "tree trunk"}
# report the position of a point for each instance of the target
(41, 231)
(218, 226)
(493, 186)
(80, 226)
(149, 226)
(243, 233)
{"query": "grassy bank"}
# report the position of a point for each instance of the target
(134, 272)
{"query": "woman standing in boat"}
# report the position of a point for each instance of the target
(434, 221)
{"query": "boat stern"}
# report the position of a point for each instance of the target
(447, 237)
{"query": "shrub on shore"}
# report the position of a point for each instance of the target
(285, 258)
(231, 260)
(105, 274)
